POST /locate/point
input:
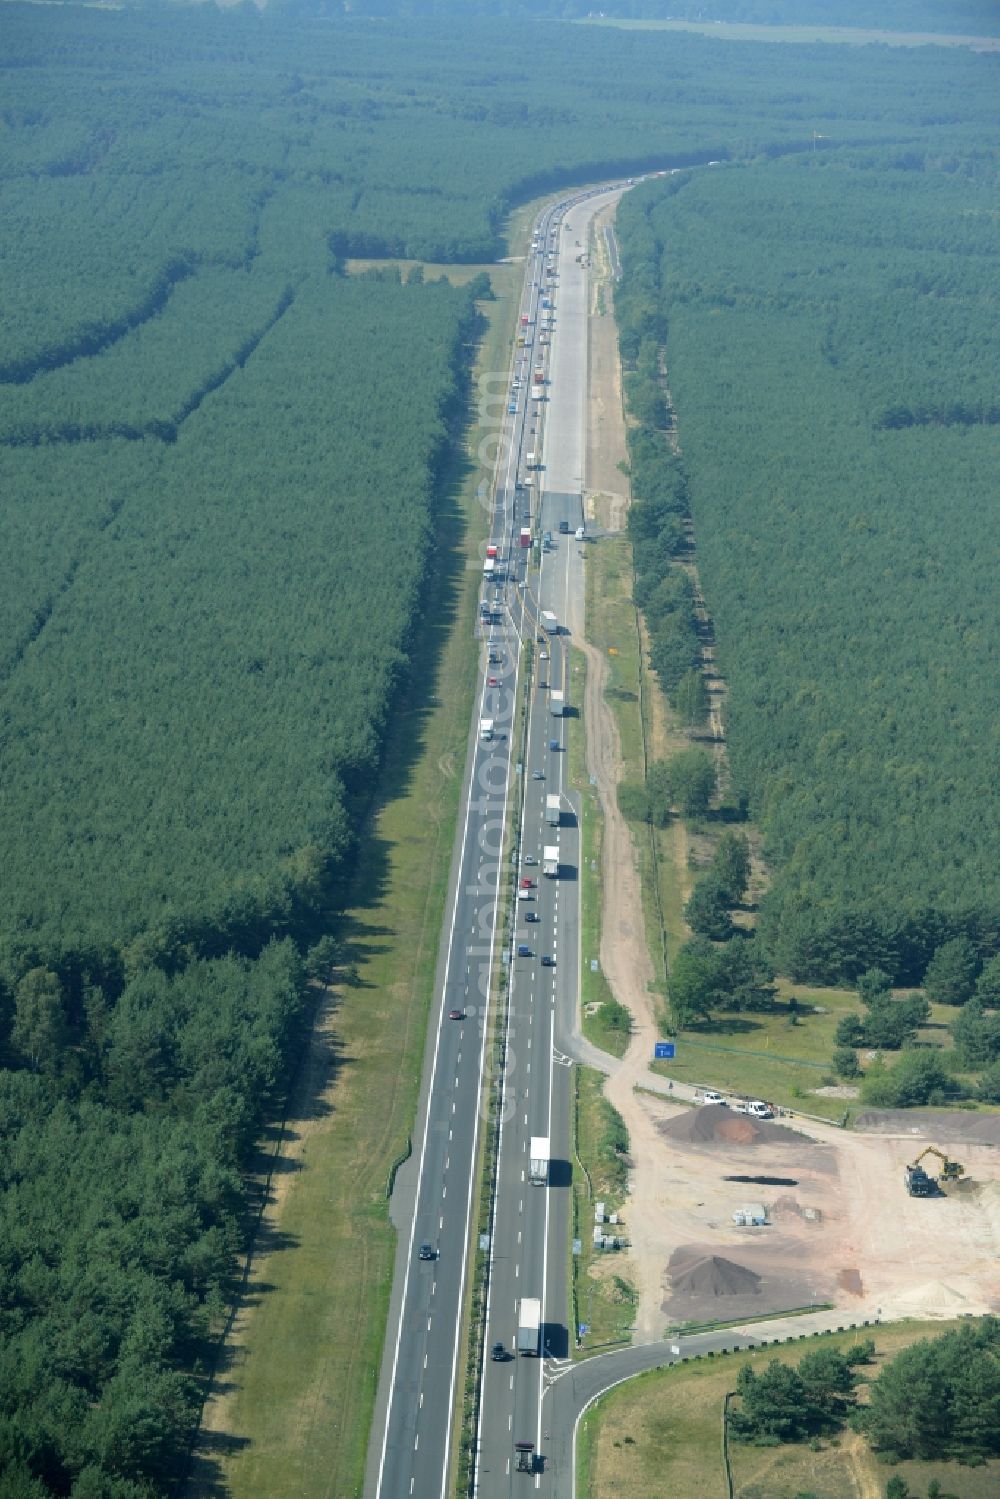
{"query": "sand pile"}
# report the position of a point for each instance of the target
(713, 1124)
(710, 1275)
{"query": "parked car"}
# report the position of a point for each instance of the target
(712, 1097)
(759, 1109)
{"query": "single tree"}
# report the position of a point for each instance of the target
(707, 911)
(692, 782)
(39, 1032)
(952, 972)
(730, 865)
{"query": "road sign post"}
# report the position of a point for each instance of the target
(664, 1051)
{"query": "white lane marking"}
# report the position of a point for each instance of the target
(416, 1443)
(441, 1223)
(444, 1191)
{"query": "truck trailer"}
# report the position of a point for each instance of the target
(529, 1325)
(549, 622)
(552, 810)
(557, 702)
(525, 536)
(538, 1161)
(550, 861)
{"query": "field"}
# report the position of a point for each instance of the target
(661, 1433)
(769, 1056)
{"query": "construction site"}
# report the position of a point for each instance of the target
(758, 1217)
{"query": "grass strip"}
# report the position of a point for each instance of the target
(603, 1300)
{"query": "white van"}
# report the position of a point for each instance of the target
(760, 1110)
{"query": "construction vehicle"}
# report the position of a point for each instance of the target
(918, 1183)
(950, 1171)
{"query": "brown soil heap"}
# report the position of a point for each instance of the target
(713, 1124)
(710, 1275)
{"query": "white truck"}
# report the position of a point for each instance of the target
(538, 1161)
(549, 622)
(529, 1325)
(490, 567)
(557, 702)
(486, 729)
(538, 392)
(550, 860)
(552, 810)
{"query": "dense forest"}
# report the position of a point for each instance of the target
(834, 362)
(221, 458)
(964, 17)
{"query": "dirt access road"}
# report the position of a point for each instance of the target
(842, 1229)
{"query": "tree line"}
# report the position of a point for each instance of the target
(936, 1399)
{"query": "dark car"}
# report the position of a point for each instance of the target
(531, 915)
(548, 962)
(495, 658)
(427, 1252)
(523, 950)
(553, 744)
(498, 1353)
(456, 1014)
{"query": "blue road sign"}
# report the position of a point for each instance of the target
(664, 1051)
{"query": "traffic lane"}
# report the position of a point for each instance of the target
(428, 1339)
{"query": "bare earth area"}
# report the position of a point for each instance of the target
(839, 1226)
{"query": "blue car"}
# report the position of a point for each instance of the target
(523, 950)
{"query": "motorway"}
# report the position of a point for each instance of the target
(421, 1383)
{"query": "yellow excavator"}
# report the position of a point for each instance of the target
(920, 1184)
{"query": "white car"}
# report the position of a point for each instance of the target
(712, 1097)
(760, 1110)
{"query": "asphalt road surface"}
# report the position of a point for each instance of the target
(420, 1380)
